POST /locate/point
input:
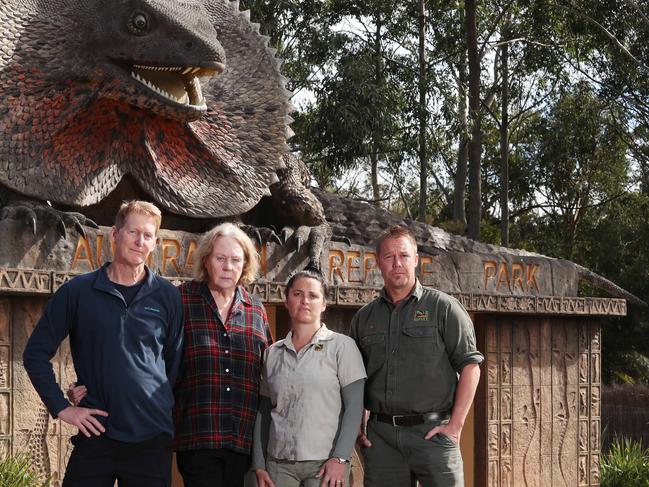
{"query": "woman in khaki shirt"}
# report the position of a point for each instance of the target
(311, 397)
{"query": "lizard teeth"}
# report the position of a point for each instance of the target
(153, 87)
(185, 70)
(184, 99)
(170, 86)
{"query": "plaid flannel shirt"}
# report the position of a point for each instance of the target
(218, 387)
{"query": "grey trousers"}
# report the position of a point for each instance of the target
(400, 455)
(297, 474)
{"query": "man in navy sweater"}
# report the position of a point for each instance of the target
(125, 329)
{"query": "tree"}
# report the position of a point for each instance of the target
(475, 146)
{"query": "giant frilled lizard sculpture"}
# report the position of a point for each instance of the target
(95, 93)
(179, 100)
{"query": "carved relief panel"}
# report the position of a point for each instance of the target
(5, 371)
(33, 430)
(542, 398)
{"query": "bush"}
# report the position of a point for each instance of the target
(16, 471)
(625, 465)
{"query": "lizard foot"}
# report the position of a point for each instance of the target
(315, 237)
(31, 212)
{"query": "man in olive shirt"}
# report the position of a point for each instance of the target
(422, 365)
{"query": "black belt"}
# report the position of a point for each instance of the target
(411, 420)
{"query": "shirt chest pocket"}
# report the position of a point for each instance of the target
(418, 336)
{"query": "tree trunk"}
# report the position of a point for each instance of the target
(459, 212)
(423, 156)
(475, 147)
(376, 133)
(504, 142)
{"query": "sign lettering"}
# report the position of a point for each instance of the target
(513, 277)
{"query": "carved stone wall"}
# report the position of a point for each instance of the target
(25, 424)
(542, 399)
(537, 417)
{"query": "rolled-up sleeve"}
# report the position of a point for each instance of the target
(459, 337)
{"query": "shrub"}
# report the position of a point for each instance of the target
(17, 471)
(625, 465)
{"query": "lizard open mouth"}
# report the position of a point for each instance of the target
(176, 84)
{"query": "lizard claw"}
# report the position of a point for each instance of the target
(262, 234)
(31, 220)
(33, 212)
(286, 234)
(79, 228)
(60, 225)
(342, 239)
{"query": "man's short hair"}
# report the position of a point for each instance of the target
(206, 245)
(141, 208)
(395, 232)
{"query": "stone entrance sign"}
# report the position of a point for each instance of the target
(537, 411)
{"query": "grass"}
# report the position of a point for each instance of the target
(17, 471)
(625, 465)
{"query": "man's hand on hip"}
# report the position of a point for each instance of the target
(84, 419)
(449, 429)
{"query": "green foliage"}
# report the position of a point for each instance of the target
(625, 465)
(17, 471)
(578, 126)
(614, 244)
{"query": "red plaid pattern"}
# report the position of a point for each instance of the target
(218, 386)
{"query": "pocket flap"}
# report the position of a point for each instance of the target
(420, 331)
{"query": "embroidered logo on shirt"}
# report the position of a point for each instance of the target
(150, 308)
(318, 347)
(421, 315)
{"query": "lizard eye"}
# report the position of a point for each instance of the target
(139, 23)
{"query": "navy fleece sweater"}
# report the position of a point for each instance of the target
(127, 357)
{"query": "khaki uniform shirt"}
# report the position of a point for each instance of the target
(305, 392)
(414, 351)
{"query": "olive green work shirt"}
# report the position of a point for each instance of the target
(414, 351)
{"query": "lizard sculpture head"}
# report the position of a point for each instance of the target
(149, 53)
(92, 91)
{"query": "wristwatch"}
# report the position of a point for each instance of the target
(342, 460)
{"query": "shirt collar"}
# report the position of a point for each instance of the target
(417, 291)
(240, 294)
(103, 283)
(322, 335)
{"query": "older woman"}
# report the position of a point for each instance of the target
(311, 397)
(226, 333)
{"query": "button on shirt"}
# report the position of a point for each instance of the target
(305, 392)
(413, 351)
(218, 386)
